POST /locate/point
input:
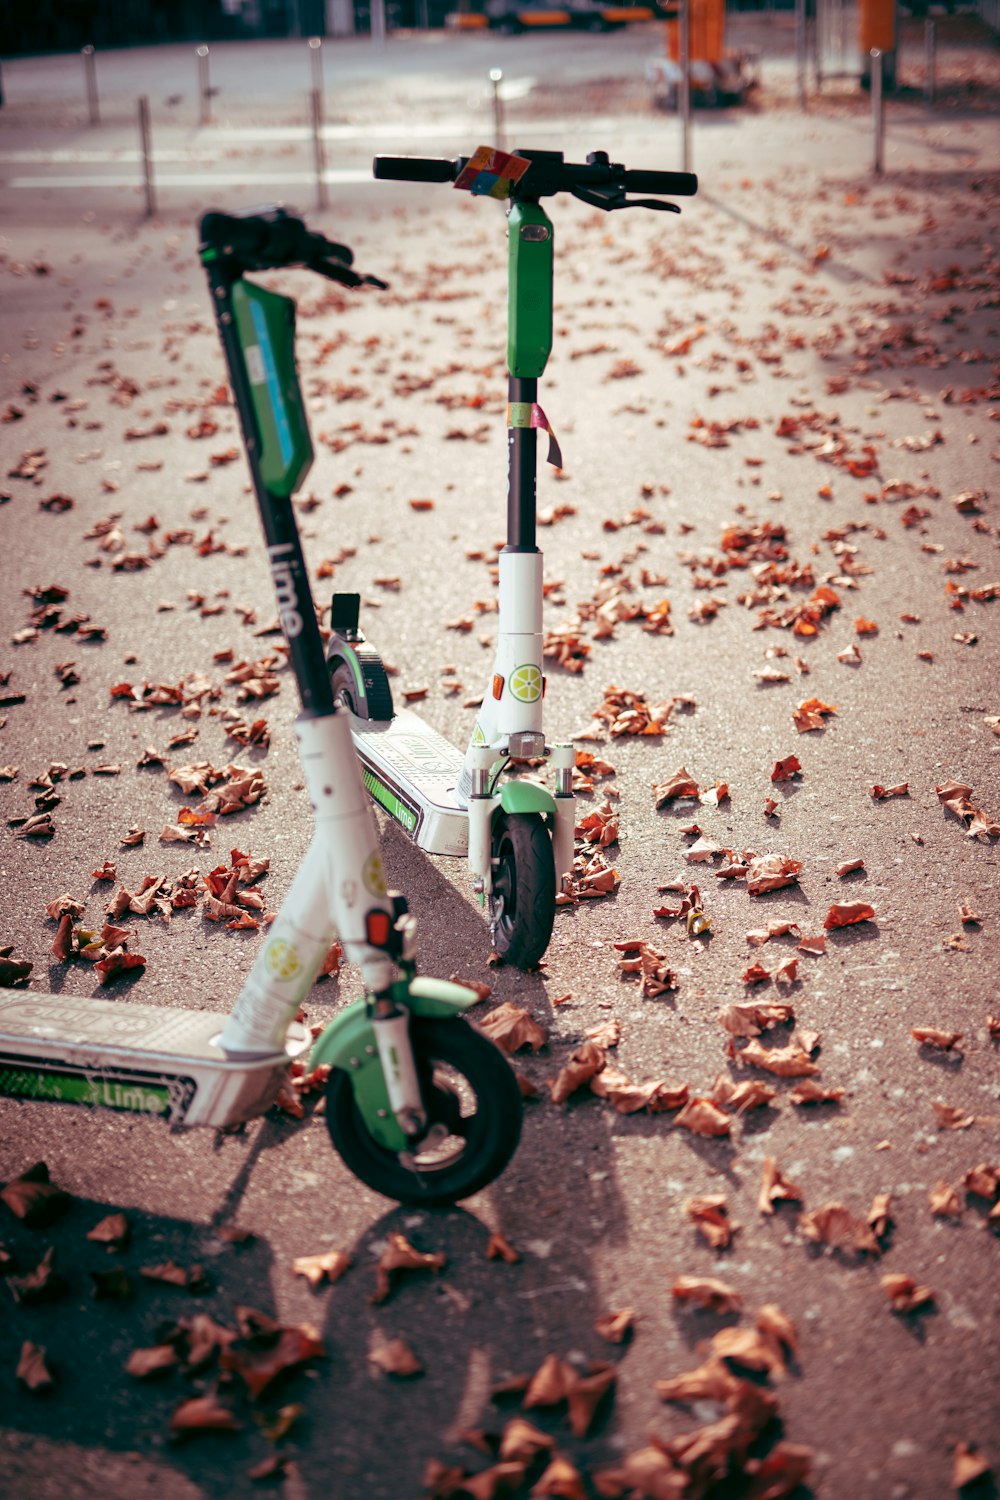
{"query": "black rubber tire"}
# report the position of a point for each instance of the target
(522, 902)
(378, 704)
(490, 1132)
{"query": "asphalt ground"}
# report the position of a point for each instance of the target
(796, 294)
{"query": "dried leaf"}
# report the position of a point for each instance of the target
(328, 1265)
(982, 1180)
(753, 1017)
(396, 1358)
(780, 1474)
(144, 1363)
(398, 1257)
(34, 1198)
(498, 1247)
(511, 1028)
(810, 1092)
(904, 1293)
(830, 1224)
(203, 1414)
(560, 1478)
(584, 1063)
(32, 1369)
(261, 1358)
(775, 1188)
(968, 1466)
(846, 913)
(584, 1393)
(522, 1441)
(944, 1200)
(113, 1231)
(941, 1041)
(616, 1327)
(770, 872)
(785, 1062)
(707, 1292)
(950, 1117)
(703, 1117)
(710, 1215)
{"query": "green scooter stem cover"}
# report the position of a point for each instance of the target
(265, 324)
(349, 1043)
(529, 290)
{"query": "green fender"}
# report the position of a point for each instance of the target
(527, 797)
(349, 1043)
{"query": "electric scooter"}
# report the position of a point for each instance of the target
(516, 835)
(420, 1106)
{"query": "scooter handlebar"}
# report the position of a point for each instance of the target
(417, 168)
(269, 238)
(549, 174)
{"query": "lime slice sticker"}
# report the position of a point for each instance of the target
(373, 875)
(478, 737)
(525, 683)
(282, 959)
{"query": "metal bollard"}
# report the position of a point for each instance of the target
(90, 75)
(316, 62)
(204, 89)
(878, 112)
(930, 59)
(377, 22)
(146, 152)
(801, 52)
(319, 156)
(496, 78)
(684, 92)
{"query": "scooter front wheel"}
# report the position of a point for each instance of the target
(522, 901)
(471, 1097)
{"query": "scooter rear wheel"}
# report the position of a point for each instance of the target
(523, 898)
(469, 1088)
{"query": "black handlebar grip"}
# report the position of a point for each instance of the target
(415, 168)
(675, 184)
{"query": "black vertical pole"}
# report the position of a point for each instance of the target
(281, 532)
(522, 468)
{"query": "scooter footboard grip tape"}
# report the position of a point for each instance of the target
(676, 184)
(415, 168)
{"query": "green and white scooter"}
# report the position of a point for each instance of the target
(420, 1106)
(516, 835)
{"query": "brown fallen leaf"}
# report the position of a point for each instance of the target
(34, 1198)
(847, 913)
(616, 1327)
(154, 1360)
(561, 1478)
(784, 1062)
(752, 1093)
(950, 1117)
(584, 1064)
(830, 1224)
(968, 1466)
(944, 1200)
(511, 1028)
(775, 1188)
(32, 1368)
(707, 1292)
(904, 1293)
(521, 1441)
(711, 1381)
(398, 1257)
(942, 1041)
(489, 1484)
(787, 769)
(811, 1092)
(190, 1278)
(585, 1393)
(113, 1231)
(203, 1414)
(260, 1358)
(771, 872)
(680, 784)
(396, 1358)
(710, 1215)
(780, 1473)
(982, 1180)
(703, 1117)
(328, 1265)
(752, 1017)
(498, 1247)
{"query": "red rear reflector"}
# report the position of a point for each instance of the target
(378, 925)
(498, 687)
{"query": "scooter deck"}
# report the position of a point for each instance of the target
(412, 772)
(147, 1059)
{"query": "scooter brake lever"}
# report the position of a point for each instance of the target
(335, 270)
(613, 198)
(657, 203)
